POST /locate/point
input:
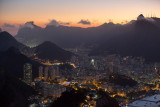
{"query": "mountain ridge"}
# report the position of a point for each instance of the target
(49, 50)
(7, 41)
(142, 41)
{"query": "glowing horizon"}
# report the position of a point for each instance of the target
(97, 12)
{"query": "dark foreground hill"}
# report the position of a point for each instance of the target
(7, 41)
(13, 92)
(14, 61)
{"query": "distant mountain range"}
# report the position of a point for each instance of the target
(51, 51)
(142, 40)
(67, 37)
(139, 37)
(64, 36)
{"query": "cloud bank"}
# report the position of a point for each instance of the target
(84, 22)
(56, 23)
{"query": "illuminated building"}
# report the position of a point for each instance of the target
(52, 74)
(92, 62)
(46, 73)
(111, 67)
(40, 72)
(85, 105)
(52, 90)
(57, 71)
(28, 73)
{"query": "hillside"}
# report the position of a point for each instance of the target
(122, 80)
(13, 92)
(64, 36)
(49, 50)
(143, 40)
(7, 41)
(14, 61)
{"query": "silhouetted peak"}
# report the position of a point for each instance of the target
(6, 35)
(47, 45)
(146, 24)
(51, 51)
(140, 17)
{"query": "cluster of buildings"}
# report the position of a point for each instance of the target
(45, 84)
(90, 72)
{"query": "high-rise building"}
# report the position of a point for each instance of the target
(52, 74)
(57, 71)
(27, 73)
(40, 72)
(46, 73)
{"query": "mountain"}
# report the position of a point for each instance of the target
(14, 61)
(136, 38)
(122, 80)
(30, 34)
(7, 41)
(51, 51)
(70, 37)
(142, 40)
(13, 92)
(63, 36)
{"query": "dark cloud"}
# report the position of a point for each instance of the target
(8, 25)
(85, 22)
(29, 24)
(53, 23)
(57, 23)
(64, 23)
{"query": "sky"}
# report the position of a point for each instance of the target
(81, 13)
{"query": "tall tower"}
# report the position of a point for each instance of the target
(27, 73)
(52, 74)
(40, 72)
(57, 71)
(46, 73)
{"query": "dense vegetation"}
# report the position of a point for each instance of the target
(122, 80)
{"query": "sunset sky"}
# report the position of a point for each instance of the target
(95, 12)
